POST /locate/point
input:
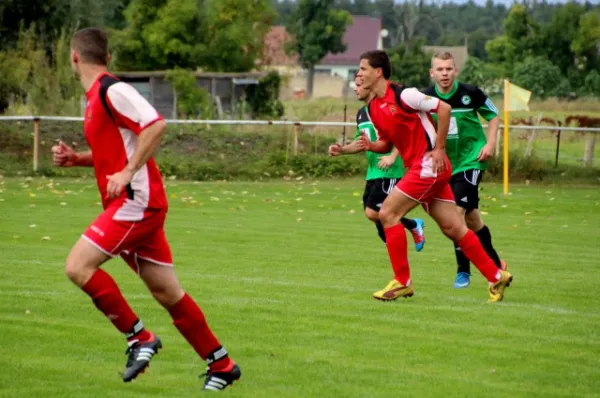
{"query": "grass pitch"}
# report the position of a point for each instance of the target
(284, 272)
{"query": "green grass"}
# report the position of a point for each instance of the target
(284, 272)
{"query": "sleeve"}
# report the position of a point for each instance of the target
(484, 106)
(131, 109)
(412, 98)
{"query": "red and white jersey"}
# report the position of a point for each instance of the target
(403, 117)
(116, 113)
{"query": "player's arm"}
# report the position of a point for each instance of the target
(418, 101)
(64, 156)
(133, 112)
(490, 113)
(385, 162)
(148, 143)
(379, 146)
(443, 123)
(348, 149)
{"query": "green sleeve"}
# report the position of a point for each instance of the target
(357, 134)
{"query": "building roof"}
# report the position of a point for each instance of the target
(274, 48)
(460, 53)
(360, 36)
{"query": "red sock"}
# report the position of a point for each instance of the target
(108, 299)
(395, 238)
(191, 323)
(474, 251)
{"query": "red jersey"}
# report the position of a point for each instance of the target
(116, 113)
(402, 117)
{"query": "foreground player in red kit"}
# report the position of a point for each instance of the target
(123, 131)
(402, 117)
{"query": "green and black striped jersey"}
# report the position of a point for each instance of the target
(465, 135)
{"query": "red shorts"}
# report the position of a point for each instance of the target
(133, 240)
(422, 185)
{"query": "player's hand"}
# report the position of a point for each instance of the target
(117, 182)
(335, 150)
(385, 162)
(364, 143)
(63, 155)
(487, 152)
(438, 160)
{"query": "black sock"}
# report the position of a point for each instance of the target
(485, 237)
(408, 223)
(380, 230)
(464, 265)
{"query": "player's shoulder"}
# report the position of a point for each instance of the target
(467, 88)
(429, 91)
(362, 115)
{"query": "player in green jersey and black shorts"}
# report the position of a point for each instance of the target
(468, 151)
(383, 172)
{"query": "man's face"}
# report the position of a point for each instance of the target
(443, 72)
(361, 93)
(368, 75)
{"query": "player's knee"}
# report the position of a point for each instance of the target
(167, 296)
(388, 217)
(453, 230)
(75, 271)
(372, 214)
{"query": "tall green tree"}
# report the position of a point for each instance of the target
(586, 43)
(560, 33)
(410, 64)
(219, 35)
(317, 29)
(235, 34)
(521, 39)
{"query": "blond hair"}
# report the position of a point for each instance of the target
(444, 56)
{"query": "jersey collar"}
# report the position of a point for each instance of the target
(450, 94)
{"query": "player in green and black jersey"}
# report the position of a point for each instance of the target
(383, 172)
(468, 150)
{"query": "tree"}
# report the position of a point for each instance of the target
(541, 77)
(521, 39)
(558, 36)
(236, 31)
(317, 29)
(586, 42)
(220, 35)
(410, 64)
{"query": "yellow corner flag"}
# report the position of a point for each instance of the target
(515, 99)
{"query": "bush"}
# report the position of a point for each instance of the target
(263, 98)
(193, 101)
(541, 77)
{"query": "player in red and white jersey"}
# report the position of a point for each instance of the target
(402, 117)
(115, 116)
(123, 131)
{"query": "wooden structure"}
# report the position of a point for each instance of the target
(225, 89)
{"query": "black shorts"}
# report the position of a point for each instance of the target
(465, 186)
(376, 191)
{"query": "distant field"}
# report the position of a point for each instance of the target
(284, 272)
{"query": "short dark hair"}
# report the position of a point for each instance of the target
(379, 59)
(92, 45)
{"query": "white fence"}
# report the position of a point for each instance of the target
(590, 143)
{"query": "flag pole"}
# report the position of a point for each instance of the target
(506, 123)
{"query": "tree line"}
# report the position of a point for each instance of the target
(550, 48)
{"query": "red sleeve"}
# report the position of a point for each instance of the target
(130, 109)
